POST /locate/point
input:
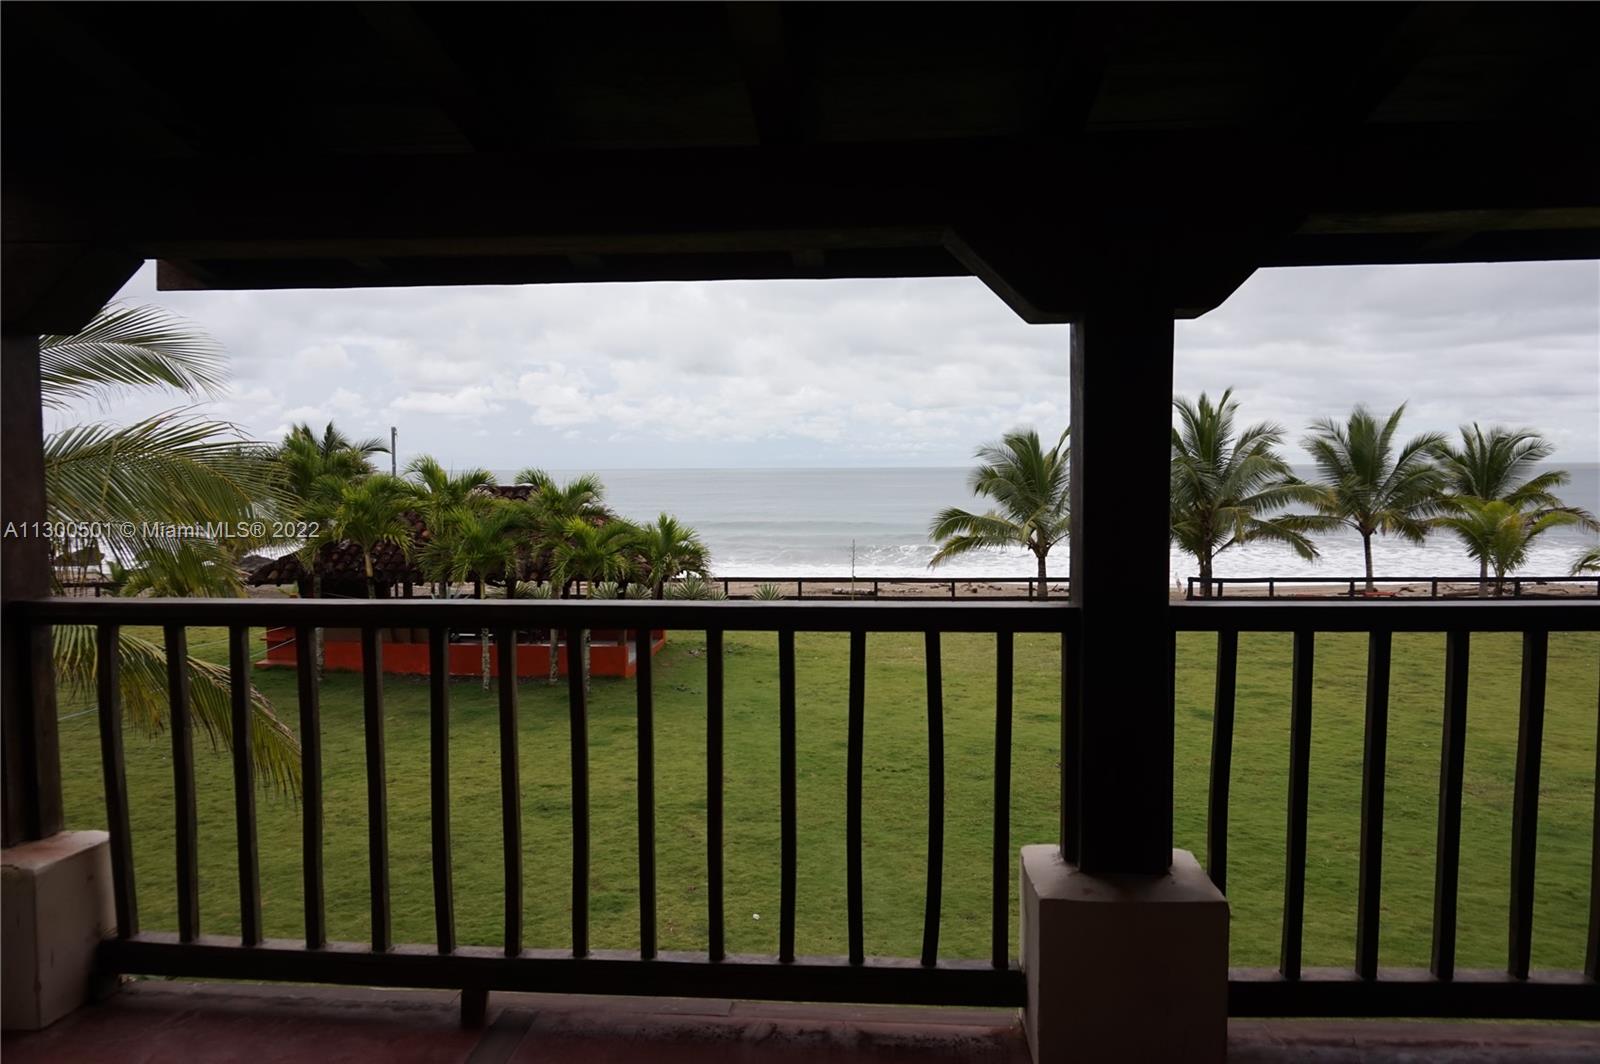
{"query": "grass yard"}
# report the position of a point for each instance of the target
(895, 798)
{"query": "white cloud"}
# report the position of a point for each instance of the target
(873, 372)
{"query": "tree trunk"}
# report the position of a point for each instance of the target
(1366, 549)
(583, 639)
(316, 633)
(372, 584)
(483, 641)
(1044, 578)
(1499, 582)
(1205, 574)
(1483, 577)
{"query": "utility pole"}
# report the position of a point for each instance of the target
(394, 459)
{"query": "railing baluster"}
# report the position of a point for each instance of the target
(1591, 955)
(852, 798)
(788, 831)
(444, 907)
(578, 713)
(505, 640)
(377, 787)
(716, 948)
(1000, 871)
(1452, 760)
(244, 785)
(935, 892)
(646, 750)
(1374, 759)
(1294, 877)
(186, 819)
(108, 684)
(310, 786)
(1221, 759)
(1525, 802)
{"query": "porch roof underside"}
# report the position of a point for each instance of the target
(360, 145)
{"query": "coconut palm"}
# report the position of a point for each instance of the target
(478, 545)
(1230, 488)
(1503, 464)
(1370, 485)
(1030, 485)
(314, 468)
(1587, 562)
(366, 512)
(594, 554)
(668, 548)
(440, 495)
(1499, 533)
(172, 468)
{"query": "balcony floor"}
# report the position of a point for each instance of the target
(160, 1021)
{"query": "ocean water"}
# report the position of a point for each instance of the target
(806, 522)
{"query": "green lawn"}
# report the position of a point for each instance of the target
(895, 796)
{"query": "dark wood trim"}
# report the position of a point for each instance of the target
(1476, 615)
(505, 645)
(715, 947)
(855, 736)
(1227, 671)
(377, 787)
(444, 904)
(108, 686)
(645, 764)
(1121, 396)
(186, 831)
(934, 898)
(1452, 764)
(310, 697)
(578, 750)
(1525, 801)
(1327, 992)
(896, 981)
(244, 783)
(31, 776)
(1294, 876)
(1374, 762)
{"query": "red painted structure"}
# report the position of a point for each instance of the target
(405, 653)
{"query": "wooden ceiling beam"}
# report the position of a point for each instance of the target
(477, 111)
(763, 47)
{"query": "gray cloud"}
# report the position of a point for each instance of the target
(880, 372)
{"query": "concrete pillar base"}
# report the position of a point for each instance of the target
(1123, 968)
(56, 906)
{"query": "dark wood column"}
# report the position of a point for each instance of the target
(1119, 762)
(47, 288)
(27, 689)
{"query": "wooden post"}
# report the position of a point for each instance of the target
(1122, 414)
(27, 698)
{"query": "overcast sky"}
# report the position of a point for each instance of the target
(872, 372)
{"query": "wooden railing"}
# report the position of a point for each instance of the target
(929, 588)
(1353, 586)
(1367, 989)
(577, 967)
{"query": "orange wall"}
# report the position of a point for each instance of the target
(405, 658)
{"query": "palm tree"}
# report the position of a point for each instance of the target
(1499, 533)
(1587, 562)
(1503, 464)
(1030, 486)
(314, 470)
(173, 468)
(1369, 485)
(669, 549)
(595, 554)
(440, 495)
(477, 546)
(367, 512)
(1229, 488)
